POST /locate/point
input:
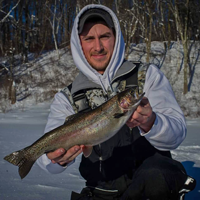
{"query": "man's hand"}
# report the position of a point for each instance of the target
(143, 116)
(63, 157)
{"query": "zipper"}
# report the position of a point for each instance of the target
(100, 158)
(97, 149)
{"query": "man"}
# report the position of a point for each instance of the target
(136, 162)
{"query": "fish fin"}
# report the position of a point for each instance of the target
(18, 158)
(118, 115)
(72, 117)
(87, 150)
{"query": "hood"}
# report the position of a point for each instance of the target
(115, 61)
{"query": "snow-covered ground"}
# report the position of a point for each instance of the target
(19, 129)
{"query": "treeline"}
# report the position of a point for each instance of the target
(36, 26)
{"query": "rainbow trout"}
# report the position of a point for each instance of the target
(89, 129)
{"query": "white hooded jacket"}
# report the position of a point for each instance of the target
(80, 60)
(169, 129)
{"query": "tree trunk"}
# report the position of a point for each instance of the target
(148, 35)
(185, 46)
(12, 92)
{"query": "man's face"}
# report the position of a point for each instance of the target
(97, 41)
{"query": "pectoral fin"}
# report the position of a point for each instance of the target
(87, 150)
(118, 115)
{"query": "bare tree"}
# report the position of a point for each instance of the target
(8, 14)
(54, 21)
(181, 21)
(130, 28)
(145, 12)
(148, 27)
(128, 21)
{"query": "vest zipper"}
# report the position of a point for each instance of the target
(100, 158)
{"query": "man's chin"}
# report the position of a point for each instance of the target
(99, 67)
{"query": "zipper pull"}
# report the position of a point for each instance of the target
(100, 159)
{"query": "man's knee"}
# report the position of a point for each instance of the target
(164, 173)
(158, 177)
(155, 184)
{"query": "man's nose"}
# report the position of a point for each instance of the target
(98, 45)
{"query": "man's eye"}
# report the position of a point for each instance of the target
(105, 37)
(88, 39)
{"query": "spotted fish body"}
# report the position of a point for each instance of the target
(89, 129)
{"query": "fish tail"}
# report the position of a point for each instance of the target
(18, 158)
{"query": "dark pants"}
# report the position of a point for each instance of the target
(157, 178)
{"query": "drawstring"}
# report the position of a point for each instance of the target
(103, 87)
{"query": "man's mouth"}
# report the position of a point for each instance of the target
(99, 56)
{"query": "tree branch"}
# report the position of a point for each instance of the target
(9, 12)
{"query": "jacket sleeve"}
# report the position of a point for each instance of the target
(169, 128)
(60, 109)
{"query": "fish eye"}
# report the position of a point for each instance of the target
(132, 92)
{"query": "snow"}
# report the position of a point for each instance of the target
(19, 129)
(37, 81)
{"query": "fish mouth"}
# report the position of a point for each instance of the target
(125, 103)
(131, 100)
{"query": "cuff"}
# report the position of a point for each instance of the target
(50, 167)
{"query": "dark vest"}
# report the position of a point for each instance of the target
(124, 152)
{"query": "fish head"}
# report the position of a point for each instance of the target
(130, 99)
